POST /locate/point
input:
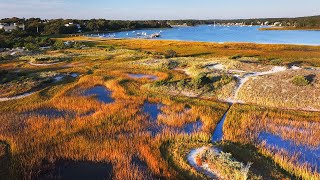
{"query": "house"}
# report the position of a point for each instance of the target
(72, 24)
(277, 24)
(69, 24)
(11, 27)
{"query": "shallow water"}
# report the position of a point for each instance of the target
(140, 163)
(207, 33)
(101, 93)
(152, 109)
(193, 127)
(74, 75)
(218, 131)
(307, 154)
(82, 170)
(58, 78)
(140, 76)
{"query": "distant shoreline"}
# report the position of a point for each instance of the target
(289, 29)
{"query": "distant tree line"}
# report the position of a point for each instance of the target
(307, 22)
(36, 29)
(71, 26)
(19, 38)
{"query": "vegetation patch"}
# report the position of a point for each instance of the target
(300, 81)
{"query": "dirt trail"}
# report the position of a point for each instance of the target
(217, 135)
(51, 64)
(16, 97)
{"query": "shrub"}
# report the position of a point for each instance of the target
(300, 81)
(200, 80)
(237, 56)
(170, 53)
(170, 64)
(59, 45)
(110, 48)
(31, 46)
(182, 83)
(223, 80)
(160, 83)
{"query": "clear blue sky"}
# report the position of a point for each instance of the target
(158, 9)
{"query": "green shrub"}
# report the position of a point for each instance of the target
(182, 83)
(200, 80)
(300, 81)
(110, 48)
(170, 64)
(160, 83)
(223, 80)
(31, 46)
(59, 45)
(90, 71)
(170, 53)
(237, 56)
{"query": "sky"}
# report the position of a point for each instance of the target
(158, 9)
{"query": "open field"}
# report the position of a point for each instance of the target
(132, 109)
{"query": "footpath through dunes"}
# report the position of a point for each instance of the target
(194, 157)
(40, 86)
(16, 97)
(242, 79)
(44, 64)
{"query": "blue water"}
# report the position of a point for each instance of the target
(140, 76)
(193, 127)
(218, 131)
(207, 33)
(152, 109)
(101, 93)
(309, 155)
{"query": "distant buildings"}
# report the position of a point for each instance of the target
(11, 27)
(72, 24)
(277, 24)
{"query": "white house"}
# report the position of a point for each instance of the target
(11, 27)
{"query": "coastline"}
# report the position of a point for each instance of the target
(288, 29)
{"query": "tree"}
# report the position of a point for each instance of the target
(59, 45)
(31, 46)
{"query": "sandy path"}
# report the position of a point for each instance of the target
(204, 167)
(51, 64)
(243, 79)
(16, 97)
(218, 132)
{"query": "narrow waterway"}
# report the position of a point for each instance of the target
(218, 132)
(217, 136)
